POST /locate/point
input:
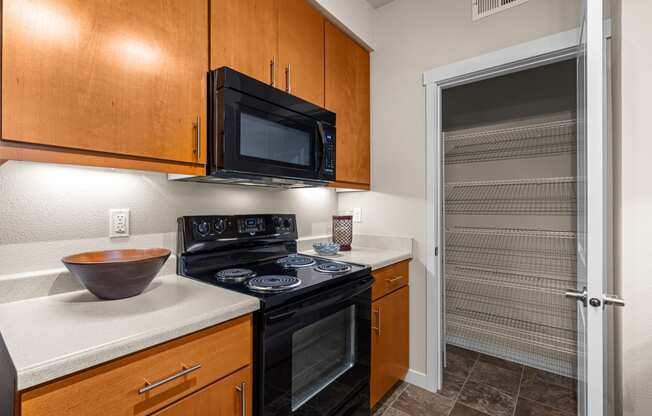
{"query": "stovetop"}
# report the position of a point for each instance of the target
(265, 245)
(311, 279)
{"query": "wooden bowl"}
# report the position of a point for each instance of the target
(117, 274)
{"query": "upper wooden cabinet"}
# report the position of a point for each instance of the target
(301, 50)
(244, 37)
(348, 95)
(279, 42)
(118, 78)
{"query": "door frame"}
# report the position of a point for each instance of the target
(543, 51)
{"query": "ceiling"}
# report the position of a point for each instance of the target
(379, 3)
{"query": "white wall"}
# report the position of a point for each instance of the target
(353, 16)
(632, 58)
(42, 202)
(412, 36)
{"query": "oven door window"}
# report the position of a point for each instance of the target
(272, 141)
(321, 352)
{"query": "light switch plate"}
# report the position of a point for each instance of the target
(118, 223)
(357, 215)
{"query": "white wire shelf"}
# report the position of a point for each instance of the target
(546, 254)
(549, 323)
(543, 139)
(547, 196)
(542, 282)
(528, 348)
(523, 300)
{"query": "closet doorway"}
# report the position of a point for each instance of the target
(517, 222)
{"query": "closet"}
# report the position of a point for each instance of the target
(509, 191)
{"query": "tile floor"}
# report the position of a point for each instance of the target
(478, 385)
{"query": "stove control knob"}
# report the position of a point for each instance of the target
(203, 228)
(220, 225)
(287, 223)
(277, 222)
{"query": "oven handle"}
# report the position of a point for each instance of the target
(346, 293)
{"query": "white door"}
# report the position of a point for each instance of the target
(592, 213)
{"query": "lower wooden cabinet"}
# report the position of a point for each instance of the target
(230, 396)
(200, 367)
(390, 338)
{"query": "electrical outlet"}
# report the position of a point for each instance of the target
(118, 223)
(357, 215)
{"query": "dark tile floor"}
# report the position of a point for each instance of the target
(478, 385)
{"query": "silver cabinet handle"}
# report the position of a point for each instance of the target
(198, 137)
(377, 327)
(272, 72)
(185, 370)
(243, 397)
(397, 278)
(613, 300)
(288, 79)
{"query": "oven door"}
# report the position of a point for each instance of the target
(265, 139)
(316, 355)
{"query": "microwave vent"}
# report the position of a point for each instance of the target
(484, 8)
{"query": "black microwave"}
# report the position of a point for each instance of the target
(260, 135)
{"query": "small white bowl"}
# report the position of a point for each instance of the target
(326, 249)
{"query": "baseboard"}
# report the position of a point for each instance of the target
(420, 379)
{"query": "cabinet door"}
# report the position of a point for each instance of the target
(244, 37)
(389, 342)
(222, 398)
(301, 50)
(120, 77)
(347, 94)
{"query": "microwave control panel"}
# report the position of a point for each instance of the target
(330, 152)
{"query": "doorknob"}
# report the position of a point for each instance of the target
(579, 296)
(613, 300)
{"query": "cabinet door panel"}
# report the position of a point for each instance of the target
(244, 37)
(223, 398)
(389, 342)
(122, 77)
(301, 47)
(347, 94)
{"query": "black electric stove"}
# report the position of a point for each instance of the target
(312, 332)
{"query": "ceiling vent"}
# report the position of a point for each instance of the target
(484, 8)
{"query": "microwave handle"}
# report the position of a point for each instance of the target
(322, 157)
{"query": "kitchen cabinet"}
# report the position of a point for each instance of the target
(100, 83)
(231, 396)
(244, 37)
(215, 360)
(301, 50)
(278, 42)
(390, 334)
(347, 89)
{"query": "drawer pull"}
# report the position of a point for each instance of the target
(243, 397)
(185, 370)
(397, 278)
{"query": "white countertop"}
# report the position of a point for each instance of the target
(377, 258)
(371, 250)
(53, 336)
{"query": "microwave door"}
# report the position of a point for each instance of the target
(264, 139)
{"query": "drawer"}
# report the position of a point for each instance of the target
(113, 388)
(223, 398)
(390, 278)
